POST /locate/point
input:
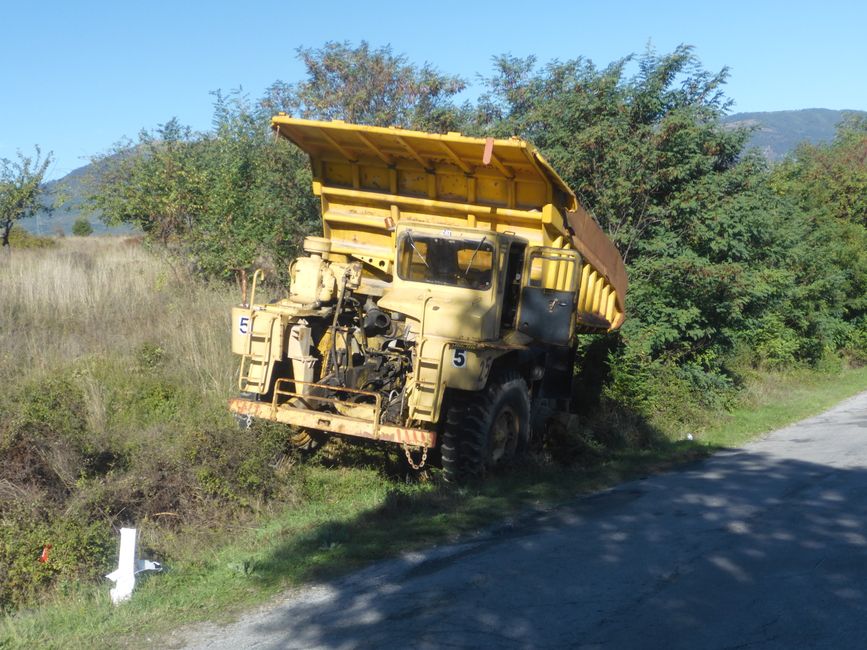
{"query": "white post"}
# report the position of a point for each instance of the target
(124, 575)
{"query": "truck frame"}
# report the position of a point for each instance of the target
(439, 309)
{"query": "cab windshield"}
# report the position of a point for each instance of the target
(445, 260)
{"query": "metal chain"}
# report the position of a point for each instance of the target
(409, 458)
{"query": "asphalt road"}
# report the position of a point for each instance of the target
(760, 547)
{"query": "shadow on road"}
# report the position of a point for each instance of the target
(748, 547)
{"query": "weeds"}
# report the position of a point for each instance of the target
(114, 411)
(115, 415)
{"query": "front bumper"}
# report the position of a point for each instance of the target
(333, 422)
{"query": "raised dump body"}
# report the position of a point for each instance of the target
(370, 178)
(440, 305)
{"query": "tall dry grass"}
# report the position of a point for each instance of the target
(97, 297)
(116, 365)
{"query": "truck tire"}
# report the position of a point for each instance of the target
(306, 440)
(486, 429)
(542, 415)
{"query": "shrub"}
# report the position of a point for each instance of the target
(775, 342)
(46, 454)
(82, 227)
(44, 440)
(81, 547)
(21, 238)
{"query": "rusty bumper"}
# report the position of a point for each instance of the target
(345, 425)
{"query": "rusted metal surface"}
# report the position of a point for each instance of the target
(333, 422)
(355, 410)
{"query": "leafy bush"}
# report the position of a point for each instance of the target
(82, 227)
(46, 451)
(44, 439)
(94, 444)
(21, 238)
(80, 548)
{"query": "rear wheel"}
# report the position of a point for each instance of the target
(486, 429)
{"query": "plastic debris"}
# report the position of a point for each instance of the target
(46, 551)
(127, 567)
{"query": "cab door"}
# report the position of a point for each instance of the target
(549, 292)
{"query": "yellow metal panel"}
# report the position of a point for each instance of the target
(451, 153)
(369, 178)
(603, 302)
(610, 308)
(597, 294)
(585, 301)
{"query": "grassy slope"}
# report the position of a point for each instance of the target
(774, 400)
(345, 508)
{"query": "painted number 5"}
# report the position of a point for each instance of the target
(459, 360)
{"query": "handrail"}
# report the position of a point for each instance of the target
(258, 274)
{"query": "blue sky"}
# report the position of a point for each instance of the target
(77, 76)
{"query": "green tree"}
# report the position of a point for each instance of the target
(82, 227)
(259, 204)
(831, 177)
(20, 189)
(223, 202)
(365, 85)
(156, 184)
(826, 185)
(648, 155)
(632, 148)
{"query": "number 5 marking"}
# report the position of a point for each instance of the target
(459, 360)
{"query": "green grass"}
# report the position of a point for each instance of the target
(775, 399)
(342, 518)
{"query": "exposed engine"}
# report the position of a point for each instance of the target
(345, 341)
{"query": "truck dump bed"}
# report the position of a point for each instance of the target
(369, 178)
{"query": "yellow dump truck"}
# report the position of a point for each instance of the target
(438, 311)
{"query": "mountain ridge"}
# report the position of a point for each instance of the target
(778, 133)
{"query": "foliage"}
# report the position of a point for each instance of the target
(69, 484)
(157, 184)
(826, 185)
(21, 238)
(649, 157)
(258, 205)
(20, 182)
(631, 148)
(45, 448)
(363, 85)
(831, 179)
(124, 422)
(224, 202)
(82, 227)
(719, 255)
(78, 548)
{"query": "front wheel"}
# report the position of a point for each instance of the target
(486, 429)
